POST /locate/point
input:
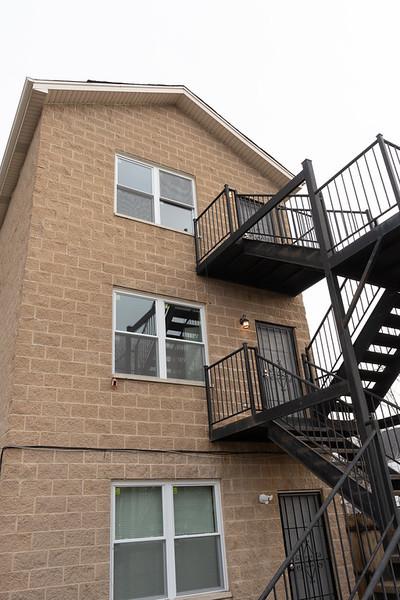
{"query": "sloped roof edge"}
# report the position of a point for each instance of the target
(37, 92)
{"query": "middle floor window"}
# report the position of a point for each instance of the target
(158, 338)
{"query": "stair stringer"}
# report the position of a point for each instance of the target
(325, 470)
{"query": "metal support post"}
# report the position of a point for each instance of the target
(249, 378)
(228, 206)
(209, 402)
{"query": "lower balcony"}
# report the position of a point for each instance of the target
(246, 391)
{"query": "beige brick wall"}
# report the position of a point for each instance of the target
(79, 250)
(55, 506)
(55, 517)
(14, 235)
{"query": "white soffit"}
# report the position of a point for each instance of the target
(36, 93)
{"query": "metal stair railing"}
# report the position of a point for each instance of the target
(363, 194)
(387, 417)
(336, 418)
(363, 551)
(324, 349)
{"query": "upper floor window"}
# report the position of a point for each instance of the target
(158, 338)
(153, 194)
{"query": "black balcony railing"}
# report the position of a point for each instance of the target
(233, 386)
(288, 222)
(244, 383)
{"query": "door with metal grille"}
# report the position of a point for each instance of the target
(264, 230)
(311, 572)
(276, 344)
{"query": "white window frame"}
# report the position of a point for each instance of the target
(156, 193)
(160, 336)
(169, 531)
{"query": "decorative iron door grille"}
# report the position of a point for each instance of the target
(311, 572)
(276, 344)
(264, 230)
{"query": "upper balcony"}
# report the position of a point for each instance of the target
(260, 240)
(281, 242)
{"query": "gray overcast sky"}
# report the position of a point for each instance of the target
(303, 79)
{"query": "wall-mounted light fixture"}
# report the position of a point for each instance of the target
(265, 498)
(244, 322)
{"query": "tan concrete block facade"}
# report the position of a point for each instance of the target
(55, 516)
(72, 252)
(14, 236)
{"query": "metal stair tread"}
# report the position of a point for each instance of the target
(367, 375)
(378, 358)
(386, 339)
(391, 320)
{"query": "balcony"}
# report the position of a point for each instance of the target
(279, 242)
(246, 391)
(260, 240)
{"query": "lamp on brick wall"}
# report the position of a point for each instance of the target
(244, 322)
(265, 498)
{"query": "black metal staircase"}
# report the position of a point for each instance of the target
(335, 419)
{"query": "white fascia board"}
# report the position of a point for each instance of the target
(45, 86)
(23, 106)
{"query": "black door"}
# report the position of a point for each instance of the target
(276, 345)
(264, 230)
(310, 573)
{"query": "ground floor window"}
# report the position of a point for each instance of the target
(167, 540)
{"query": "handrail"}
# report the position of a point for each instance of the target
(367, 185)
(349, 164)
(221, 360)
(392, 144)
(221, 220)
(211, 204)
(238, 383)
(324, 348)
(308, 347)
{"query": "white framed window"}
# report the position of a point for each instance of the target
(167, 540)
(154, 194)
(157, 337)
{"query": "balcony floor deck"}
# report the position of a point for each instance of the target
(286, 269)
